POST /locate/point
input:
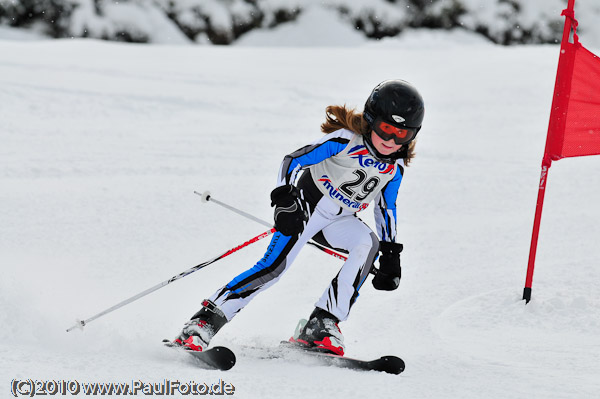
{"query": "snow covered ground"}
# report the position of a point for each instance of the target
(103, 144)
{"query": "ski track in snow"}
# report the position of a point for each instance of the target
(103, 145)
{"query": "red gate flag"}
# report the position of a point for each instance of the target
(574, 128)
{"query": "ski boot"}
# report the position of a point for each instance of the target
(320, 333)
(198, 332)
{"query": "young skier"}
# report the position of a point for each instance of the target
(357, 161)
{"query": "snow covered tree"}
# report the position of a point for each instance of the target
(224, 21)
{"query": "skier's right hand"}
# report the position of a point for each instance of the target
(289, 213)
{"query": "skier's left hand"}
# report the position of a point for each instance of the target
(389, 273)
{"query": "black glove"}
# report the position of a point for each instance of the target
(388, 276)
(289, 213)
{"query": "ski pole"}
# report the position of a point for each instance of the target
(205, 197)
(82, 323)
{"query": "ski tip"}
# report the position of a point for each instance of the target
(226, 355)
(216, 358)
(391, 364)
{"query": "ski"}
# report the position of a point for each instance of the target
(387, 364)
(215, 358)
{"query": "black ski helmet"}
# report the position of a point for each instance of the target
(397, 103)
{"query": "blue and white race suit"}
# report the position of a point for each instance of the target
(339, 177)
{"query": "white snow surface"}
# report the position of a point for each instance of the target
(103, 145)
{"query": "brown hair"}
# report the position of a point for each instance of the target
(341, 117)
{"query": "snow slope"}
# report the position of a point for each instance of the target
(103, 145)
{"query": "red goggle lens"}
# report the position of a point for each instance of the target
(396, 131)
(400, 135)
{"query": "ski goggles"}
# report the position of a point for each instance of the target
(401, 135)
